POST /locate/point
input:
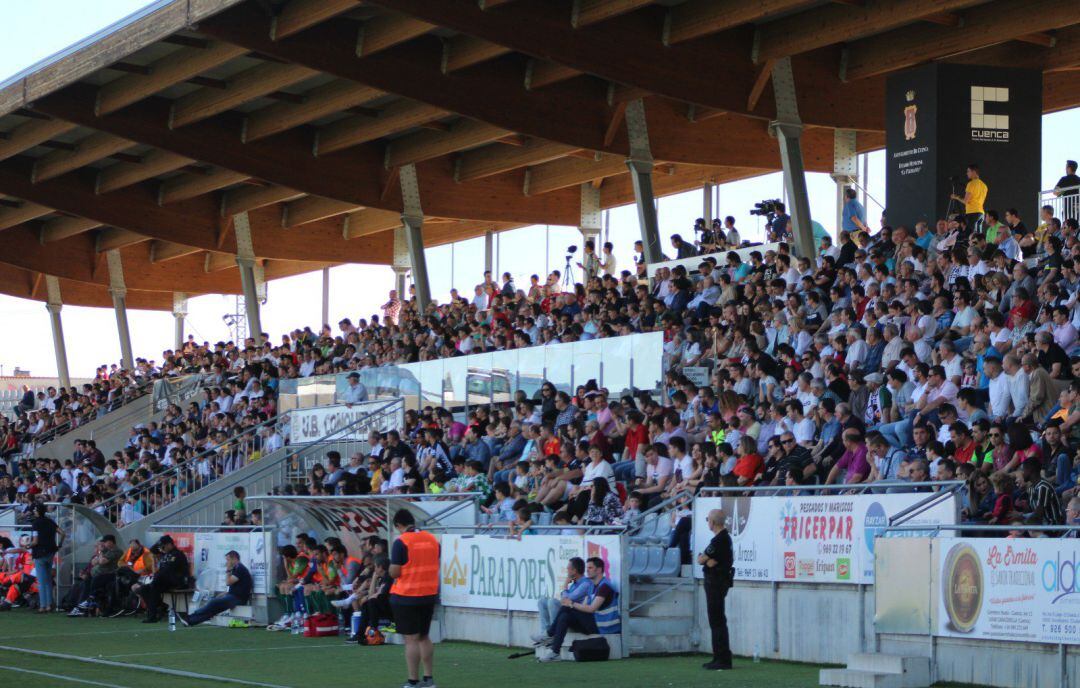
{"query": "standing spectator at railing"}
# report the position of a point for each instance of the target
(1067, 185)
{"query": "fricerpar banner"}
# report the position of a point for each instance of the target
(811, 539)
(1002, 589)
(487, 572)
(313, 424)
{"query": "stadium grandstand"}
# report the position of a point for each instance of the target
(839, 441)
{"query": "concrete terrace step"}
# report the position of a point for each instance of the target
(915, 667)
(850, 678)
(661, 626)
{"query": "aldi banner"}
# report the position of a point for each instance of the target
(811, 539)
(487, 572)
(1002, 589)
(313, 424)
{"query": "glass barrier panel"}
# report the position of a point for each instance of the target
(431, 383)
(454, 373)
(480, 379)
(586, 357)
(648, 354)
(531, 370)
(559, 360)
(616, 358)
(504, 372)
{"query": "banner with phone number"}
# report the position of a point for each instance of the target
(811, 539)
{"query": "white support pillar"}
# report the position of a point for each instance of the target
(787, 128)
(54, 305)
(179, 311)
(845, 170)
(640, 163)
(118, 291)
(326, 296)
(489, 253)
(707, 204)
(412, 220)
(400, 263)
(251, 275)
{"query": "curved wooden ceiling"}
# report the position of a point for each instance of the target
(149, 138)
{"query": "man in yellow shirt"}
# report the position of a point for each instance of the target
(973, 199)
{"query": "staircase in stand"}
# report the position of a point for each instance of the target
(661, 617)
(869, 670)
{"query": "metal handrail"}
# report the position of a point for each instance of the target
(586, 529)
(922, 505)
(53, 433)
(418, 496)
(859, 487)
(664, 591)
(938, 527)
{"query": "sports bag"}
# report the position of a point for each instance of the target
(590, 650)
(320, 626)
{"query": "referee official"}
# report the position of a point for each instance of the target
(414, 566)
(717, 561)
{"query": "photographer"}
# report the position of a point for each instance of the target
(778, 225)
(238, 578)
(590, 264)
(683, 249)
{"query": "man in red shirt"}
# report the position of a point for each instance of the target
(637, 437)
(962, 440)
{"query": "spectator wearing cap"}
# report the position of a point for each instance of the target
(354, 392)
(173, 571)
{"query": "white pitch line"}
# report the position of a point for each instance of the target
(235, 649)
(62, 678)
(67, 635)
(144, 667)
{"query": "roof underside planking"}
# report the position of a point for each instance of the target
(149, 136)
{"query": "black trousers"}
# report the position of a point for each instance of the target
(715, 592)
(152, 593)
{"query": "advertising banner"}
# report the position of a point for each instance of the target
(486, 572)
(1002, 589)
(211, 548)
(313, 424)
(176, 390)
(813, 539)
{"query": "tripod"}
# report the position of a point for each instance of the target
(568, 273)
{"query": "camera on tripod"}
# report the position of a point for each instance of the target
(766, 208)
(570, 250)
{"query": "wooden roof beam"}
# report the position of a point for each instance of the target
(425, 145)
(318, 102)
(113, 237)
(571, 171)
(370, 221)
(253, 197)
(90, 149)
(216, 261)
(398, 116)
(298, 15)
(24, 212)
(64, 227)
(387, 30)
(247, 85)
(192, 185)
(828, 24)
(983, 26)
(312, 208)
(152, 164)
(697, 18)
(161, 251)
(174, 68)
(464, 50)
(30, 134)
(492, 160)
(587, 12)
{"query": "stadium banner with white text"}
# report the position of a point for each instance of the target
(811, 538)
(176, 390)
(486, 572)
(313, 424)
(1008, 589)
(211, 548)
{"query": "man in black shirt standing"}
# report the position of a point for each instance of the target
(44, 545)
(173, 572)
(1067, 185)
(238, 578)
(717, 563)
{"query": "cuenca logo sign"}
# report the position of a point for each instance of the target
(987, 126)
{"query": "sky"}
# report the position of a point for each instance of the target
(35, 30)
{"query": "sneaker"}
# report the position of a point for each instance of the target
(428, 682)
(715, 666)
(283, 621)
(76, 612)
(410, 684)
(546, 654)
(183, 618)
(352, 639)
(342, 604)
(389, 628)
(540, 638)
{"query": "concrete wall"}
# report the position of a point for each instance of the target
(510, 629)
(989, 662)
(804, 622)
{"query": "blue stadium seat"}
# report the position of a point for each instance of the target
(639, 557)
(655, 561)
(663, 531)
(645, 533)
(672, 563)
(543, 518)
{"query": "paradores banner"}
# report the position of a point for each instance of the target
(487, 572)
(1001, 589)
(811, 539)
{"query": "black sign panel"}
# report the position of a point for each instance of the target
(942, 117)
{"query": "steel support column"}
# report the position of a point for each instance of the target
(54, 305)
(412, 220)
(707, 204)
(845, 171)
(787, 128)
(640, 163)
(251, 298)
(592, 218)
(326, 296)
(179, 311)
(250, 275)
(118, 291)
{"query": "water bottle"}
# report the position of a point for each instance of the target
(172, 619)
(296, 624)
(757, 653)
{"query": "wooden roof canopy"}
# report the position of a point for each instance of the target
(148, 137)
